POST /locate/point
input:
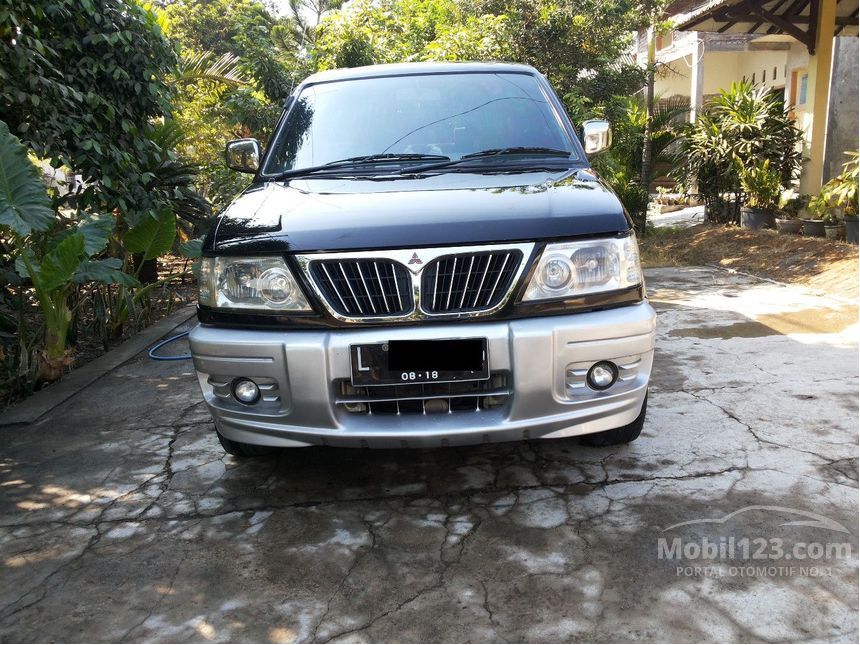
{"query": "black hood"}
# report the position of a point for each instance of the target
(323, 214)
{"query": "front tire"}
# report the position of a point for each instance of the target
(624, 434)
(238, 449)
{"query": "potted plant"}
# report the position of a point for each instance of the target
(788, 218)
(834, 229)
(813, 224)
(762, 187)
(841, 194)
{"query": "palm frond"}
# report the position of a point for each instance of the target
(204, 66)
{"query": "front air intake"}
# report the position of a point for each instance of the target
(364, 287)
(468, 282)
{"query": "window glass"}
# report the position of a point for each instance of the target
(441, 114)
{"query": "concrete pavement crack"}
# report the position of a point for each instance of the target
(754, 434)
(161, 597)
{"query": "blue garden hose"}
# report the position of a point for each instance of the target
(161, 344)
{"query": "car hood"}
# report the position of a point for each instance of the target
(324, 214)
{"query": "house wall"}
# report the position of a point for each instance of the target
(782, 61)
(722, 68)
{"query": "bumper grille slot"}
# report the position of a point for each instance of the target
(364, 287)
(424, 398)
(270, 395)
(468, 281)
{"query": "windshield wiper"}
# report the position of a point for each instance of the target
(488, 154)
(518, 150)
(359, 161)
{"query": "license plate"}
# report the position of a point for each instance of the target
(420, 361)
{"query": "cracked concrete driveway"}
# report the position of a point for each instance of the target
(123, 521)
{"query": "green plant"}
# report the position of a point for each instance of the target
(790, 206)
(842, 190)
(740, 129)
(53, 252)
(761, 185)
(621, 165)
(152, 237)
(80, 84)
(818, 207)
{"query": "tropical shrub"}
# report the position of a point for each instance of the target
(80, 84)
(621, 165)
(54, 253)
(841, 191)
(761, 185)
(741, 129)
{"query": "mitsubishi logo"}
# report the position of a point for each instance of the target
(415, 259)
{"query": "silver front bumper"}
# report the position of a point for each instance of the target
(545, 357)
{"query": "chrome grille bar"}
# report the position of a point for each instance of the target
(366, 290)
(384, 295)
(499, 277)
(466, 284)
(481, 285)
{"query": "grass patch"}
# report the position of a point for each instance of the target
(814, 262)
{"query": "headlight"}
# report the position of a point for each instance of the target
(250, 283)
(591, 266)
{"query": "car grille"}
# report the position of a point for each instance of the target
(366, 287)
(416, 284)
(468, 281)
(424, 398)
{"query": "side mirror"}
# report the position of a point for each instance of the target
(243, 155)
(596, 136)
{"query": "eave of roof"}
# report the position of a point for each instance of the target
(796, 18)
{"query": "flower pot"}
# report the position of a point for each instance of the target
(834, 231)
(755, 218)
(851, 229)
(813, 228)
(789, 226)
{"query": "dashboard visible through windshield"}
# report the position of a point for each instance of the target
(432, 116)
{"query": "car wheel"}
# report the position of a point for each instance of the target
(624, 434)
(238, 449)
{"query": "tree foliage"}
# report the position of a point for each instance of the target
(80, 82)
(244, 29)
(580, 45)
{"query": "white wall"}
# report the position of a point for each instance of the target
(722, 69)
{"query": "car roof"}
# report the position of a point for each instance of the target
(405, 69)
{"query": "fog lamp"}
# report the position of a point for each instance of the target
(246, 391)
(602, 375)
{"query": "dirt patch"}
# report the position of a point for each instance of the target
(811, 321)
(812, 262)
(804, 321)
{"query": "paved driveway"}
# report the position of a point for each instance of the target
(123, 521)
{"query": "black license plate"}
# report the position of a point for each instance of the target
(420, 361)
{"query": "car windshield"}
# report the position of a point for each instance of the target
(427, 116)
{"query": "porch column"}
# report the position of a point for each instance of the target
(818, 91)
(697, 78)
